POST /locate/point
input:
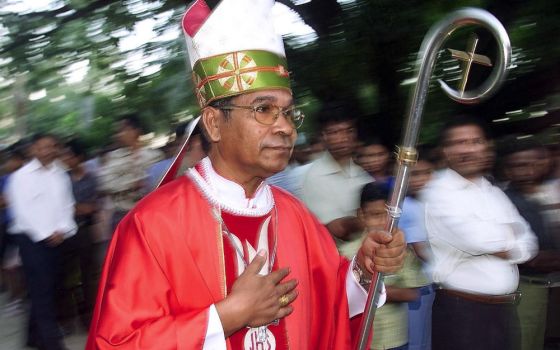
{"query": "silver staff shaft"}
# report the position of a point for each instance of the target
(406, 154)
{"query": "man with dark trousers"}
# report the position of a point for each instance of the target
(42, 207)
(477, 238)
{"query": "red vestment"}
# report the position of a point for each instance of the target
(165, 267)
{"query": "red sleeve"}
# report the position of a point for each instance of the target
(135, 300)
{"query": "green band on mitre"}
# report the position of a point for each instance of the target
(238, 72)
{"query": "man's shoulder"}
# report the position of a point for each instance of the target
(322, 163)
(23, 171)
(438, 188)
(359, 173)
(167, 197)
(314, 166)
(444, 180)
(315, 173)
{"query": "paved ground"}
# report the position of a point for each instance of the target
(12, 327)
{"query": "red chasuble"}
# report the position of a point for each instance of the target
(166, 266)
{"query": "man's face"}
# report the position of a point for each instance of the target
(69, 159)
(127, 134)
(420, 174)
(527, 167)
(466, 150)
(45, 150)
(373, 158)
(373, 215)
(340, 139)
(253, 148)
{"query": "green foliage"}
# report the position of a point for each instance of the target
(365, 51)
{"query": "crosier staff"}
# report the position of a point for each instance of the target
(406, 152)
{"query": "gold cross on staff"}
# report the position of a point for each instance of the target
(469, 58)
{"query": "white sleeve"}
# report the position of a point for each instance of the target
(526, 244)
(449, 221)
(357, 295)
(25, 219)
(66, 224)
(215, 338)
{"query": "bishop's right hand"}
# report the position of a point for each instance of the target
(256, 300)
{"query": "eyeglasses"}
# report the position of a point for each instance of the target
(269, 114)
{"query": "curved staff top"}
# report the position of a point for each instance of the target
(407, 154)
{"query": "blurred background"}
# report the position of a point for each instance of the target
(73, 66)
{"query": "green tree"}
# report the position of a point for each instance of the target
(364, 51)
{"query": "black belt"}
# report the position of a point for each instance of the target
(512, 298)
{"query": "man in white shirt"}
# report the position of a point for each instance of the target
(42, 206)
(477, 238)
(333, 183)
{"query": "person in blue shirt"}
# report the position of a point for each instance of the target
(412, 222)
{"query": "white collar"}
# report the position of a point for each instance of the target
(35, 165)
(454, 180)
(328, 165)
(228, 195)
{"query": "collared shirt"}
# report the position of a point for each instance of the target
(41, 201)
(332, 192)
(125, 174)
(467, 222)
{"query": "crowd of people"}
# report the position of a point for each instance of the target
(59, 209)
(477, 212)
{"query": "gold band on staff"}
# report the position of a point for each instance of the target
(407, 155)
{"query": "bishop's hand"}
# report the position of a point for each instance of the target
(256, 300)
(382, 252)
